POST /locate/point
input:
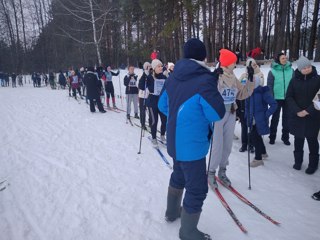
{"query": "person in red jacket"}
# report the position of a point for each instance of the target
(254, 53)
(154, 54)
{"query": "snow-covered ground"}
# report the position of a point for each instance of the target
(77, 175)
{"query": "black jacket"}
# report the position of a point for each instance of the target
(130, 81)
(148, 81)
(300, 94)
(93, 85)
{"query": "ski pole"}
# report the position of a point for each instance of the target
(144, 104)
(211, 139)
(250, 78)
(120, 92)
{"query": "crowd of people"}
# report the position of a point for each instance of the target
(5, 79)
(196, 118)
(199, 107)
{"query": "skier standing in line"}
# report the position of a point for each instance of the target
(154, 83)
(14, 80)
(257, 112)
(2, 79)
(108, 86)
(62, 80)
(241, 107)
(93, 90)
(20, 82)
(130, 81)
(75, 84)
(52, 80)
(230, 89)
(192, 102)
(144, 94)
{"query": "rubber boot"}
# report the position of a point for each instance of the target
(188, 229)
(173, 204)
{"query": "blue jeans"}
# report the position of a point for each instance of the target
(192, 176)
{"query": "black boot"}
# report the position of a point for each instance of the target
(272, 139)
(285, 141)
(298, 159)
(173, 204)
(188, 229)
(313, 163)
(251, 149)
(316, 196)
(243, 148)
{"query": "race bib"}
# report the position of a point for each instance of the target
(158, 85)
(229, 95)
(75, 79)
(132, 83)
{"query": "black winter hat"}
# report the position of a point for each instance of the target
(195, 49)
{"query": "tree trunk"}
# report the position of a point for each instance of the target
(313, 30)
(205, 29)
(96, 43)
(284, 4)
(317, 56)
(244, 29)
(23, 27)
(252, 23)
(296, 35)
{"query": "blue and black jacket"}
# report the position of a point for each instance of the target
(148, 81)
(191, 101)
(259, 110)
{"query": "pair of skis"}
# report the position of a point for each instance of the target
(163, 157)
(243, 199)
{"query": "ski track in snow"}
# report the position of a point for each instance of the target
(77, 175)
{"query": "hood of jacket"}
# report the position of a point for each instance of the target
(187, 69)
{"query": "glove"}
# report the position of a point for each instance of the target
(218, 71)
(250, 71)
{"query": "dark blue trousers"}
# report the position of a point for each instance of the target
(192, 176)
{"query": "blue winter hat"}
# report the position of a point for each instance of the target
(195, 49)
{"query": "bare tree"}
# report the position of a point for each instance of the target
(86, 11)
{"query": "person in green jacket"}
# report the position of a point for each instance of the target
(278, 81)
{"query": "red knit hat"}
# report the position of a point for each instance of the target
(227, 58)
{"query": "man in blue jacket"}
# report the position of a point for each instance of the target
(191, 101)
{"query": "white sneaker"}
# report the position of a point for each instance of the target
(154, 143)
(256, 163)
(264, 156)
